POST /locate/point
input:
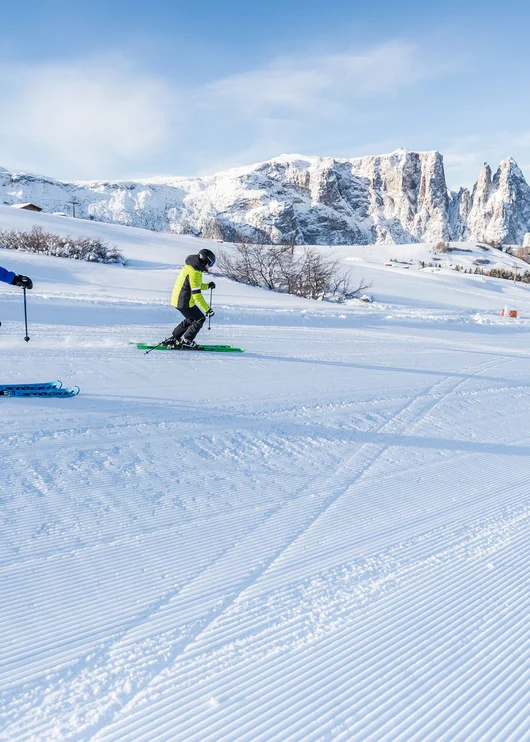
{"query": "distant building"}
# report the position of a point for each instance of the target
(28, 207)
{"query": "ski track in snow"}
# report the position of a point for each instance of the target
(311, 541)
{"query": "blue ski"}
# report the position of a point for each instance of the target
(41, 392)
(37, 385)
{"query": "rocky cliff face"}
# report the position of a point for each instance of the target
(397, 198)
(500, 205)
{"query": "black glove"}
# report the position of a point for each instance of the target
(211, 285)
(23, 281)
(210, 313)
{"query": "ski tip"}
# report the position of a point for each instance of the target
(64, 393)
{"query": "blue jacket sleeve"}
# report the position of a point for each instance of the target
(6, 276)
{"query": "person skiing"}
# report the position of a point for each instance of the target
(188, 299)
(15, 279)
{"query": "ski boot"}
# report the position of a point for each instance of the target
(190, 344)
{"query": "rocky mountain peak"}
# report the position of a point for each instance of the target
(509, 175)
(398, 197)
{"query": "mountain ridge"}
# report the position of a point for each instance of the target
(400, 197)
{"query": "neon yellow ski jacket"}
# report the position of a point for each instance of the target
(189, 285)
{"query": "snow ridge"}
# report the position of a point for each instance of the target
(397, 198)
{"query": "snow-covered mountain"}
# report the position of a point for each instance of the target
(400, 198)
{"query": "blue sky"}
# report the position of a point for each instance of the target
(123, 89)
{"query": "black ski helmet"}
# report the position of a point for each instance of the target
(206, 257)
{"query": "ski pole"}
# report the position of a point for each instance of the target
(157, 346)
(209, 316)
(26, 316)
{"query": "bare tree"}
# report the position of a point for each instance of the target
(256, 264)
(308, 273)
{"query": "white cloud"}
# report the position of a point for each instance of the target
(85, 116)
(100, 117)
(318, 84)
(304, 103)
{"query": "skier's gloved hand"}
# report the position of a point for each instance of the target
(23, 281)
(211, 285)
(210, 313)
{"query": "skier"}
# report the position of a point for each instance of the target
(188, 299)
(15, 279)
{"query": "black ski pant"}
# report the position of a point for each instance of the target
(191, 324)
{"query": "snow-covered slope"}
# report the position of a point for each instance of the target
(397, 198)
(398, 274)
(324, 538)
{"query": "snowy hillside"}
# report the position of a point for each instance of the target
(397, 198)
(395, 272)
(326, 537)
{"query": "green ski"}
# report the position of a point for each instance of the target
(207, 348)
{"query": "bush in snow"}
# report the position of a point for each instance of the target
(523, 253)
(497, 244)
(306, 273)
(46, 243)
(504, 273)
